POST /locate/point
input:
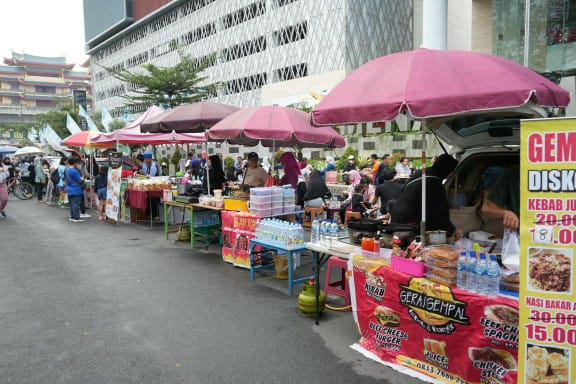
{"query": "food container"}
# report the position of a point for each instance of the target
(408, 266)
(260, 212)
(289, 208)
(259, 199)
(436, 237)
(219, 203)
(217, 193)
(253, 205)
(276, 210)
(260, 192)
(440, 280)
(277, 198)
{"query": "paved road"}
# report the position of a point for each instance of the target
(94, 303)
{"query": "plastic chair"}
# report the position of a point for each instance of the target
(310, 214)
(351, 215)
(340, 287)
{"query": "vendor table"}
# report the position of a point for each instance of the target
(337, 189)
(288, 250)
(168, 205)
(140, 199)
(320, 255)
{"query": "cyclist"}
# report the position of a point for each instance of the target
(8, 166)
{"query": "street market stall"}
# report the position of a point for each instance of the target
(422, 324)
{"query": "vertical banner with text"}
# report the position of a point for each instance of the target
(547, 326)
(113, 186)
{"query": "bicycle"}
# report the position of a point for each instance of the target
(23, 190)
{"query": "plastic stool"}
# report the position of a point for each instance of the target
(340, 287)
(310, 214)
(351, 215)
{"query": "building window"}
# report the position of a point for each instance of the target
(291, 72)
(291, 34)
(369, 145)
(281, 3)
(417, 144)
(14, 101)
(45, 103)
(43, 89)
(315, 154)
(14, 86)
(398, 137)
(244, 84)
(234, 150)
(242, 15)
(193, 6)
(199, 33)
(244, 49)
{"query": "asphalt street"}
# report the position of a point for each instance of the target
(97, 303)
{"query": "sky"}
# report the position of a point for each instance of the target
(43, 27)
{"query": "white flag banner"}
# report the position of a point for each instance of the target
(82, 112)
(71, 125)
(42, 137)
(33, 135)
(106, 119)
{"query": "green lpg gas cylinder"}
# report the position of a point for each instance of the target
(307, 299)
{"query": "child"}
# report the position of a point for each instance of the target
(101, 187)
(358, 204)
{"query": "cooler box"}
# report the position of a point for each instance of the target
(231, 204)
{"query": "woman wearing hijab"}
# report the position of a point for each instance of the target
(408, 207)
(291, 170)
(354, 179)
(216, 174)
(316, 191)
(330, 164)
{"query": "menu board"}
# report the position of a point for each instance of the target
(113, 186)
(547, 245)
(447, 334)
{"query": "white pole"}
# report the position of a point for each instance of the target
(423, 221)
(434, 24)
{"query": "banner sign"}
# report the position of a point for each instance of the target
(113, 186)
(450, 335)
(547, 245)
(237, 230)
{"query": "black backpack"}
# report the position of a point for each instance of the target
(55, 177)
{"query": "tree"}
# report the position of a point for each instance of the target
(171, 86)
(57, 119)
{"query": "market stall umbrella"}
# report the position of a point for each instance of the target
(274, 126)
(81, 139)
(7, 150)
(29, 151)
(428, 83)
(188, 118)
(148, 138)
(132, 128)
(432, 86)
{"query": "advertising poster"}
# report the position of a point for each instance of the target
(244, 225)
(113, 186)
(447, 334)
(547, 245)
(228, 236)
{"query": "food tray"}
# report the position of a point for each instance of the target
(260, 191)
(260, 212)
(259, 199)
(440, 263)
(408, 266)
(440, 279)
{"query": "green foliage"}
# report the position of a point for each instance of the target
(171, 86)
(57, 119)
(116, 124)
(301, 106)
(395, 157)
(317, 163)
(363, 162)
(228, 162)
(344, 158)
(175, 159)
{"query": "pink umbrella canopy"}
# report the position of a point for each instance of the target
(188, 118)
(429, 83)
(274, 126)
(150, 138)
(132, 128)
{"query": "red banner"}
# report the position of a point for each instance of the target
(237, 230)
(451, 335)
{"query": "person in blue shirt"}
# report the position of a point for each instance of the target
(101, 186)
(149, 167)
(74, 189)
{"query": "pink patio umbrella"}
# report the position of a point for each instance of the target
(150, 138)
(274, 126)
(432, 86)
(131, 128)
(188, 118)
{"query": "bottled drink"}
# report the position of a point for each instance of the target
(472, 272)
(323, 232)
(493, 277)
(315, 235)
(481, 274)
(333, 233)
(463, 270)
(300, 234)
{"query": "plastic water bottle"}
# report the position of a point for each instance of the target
(315, 235)
(333, 234)
(323, 233)
(472, 272)
(300, 234)
(493, 277)
(481, 286)
(463, 270)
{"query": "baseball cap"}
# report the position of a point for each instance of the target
(350, 157)
(147, 155)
